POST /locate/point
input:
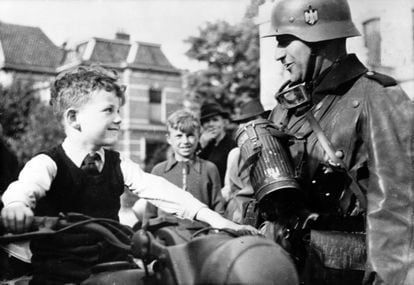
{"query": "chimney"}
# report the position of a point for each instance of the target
(122, 36)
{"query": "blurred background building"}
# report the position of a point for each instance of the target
(154, 85)
(154, 89)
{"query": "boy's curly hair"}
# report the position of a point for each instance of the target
(74, 87)
(185, 121)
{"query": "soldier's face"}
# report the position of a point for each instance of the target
(294, 55)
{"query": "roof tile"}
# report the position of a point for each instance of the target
(28, 48)
(110, 52)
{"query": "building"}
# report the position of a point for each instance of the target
(386, 45)
(154, 86)
(154, 90)
(26, 53)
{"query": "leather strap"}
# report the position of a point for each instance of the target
(336, 161)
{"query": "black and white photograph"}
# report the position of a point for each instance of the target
(207, 142)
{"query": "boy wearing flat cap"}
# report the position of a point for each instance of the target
(214, 142)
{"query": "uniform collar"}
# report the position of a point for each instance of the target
(343, 71)
(77, 155)
(195, 164)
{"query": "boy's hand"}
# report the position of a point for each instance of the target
(207, 136)
(17, 217)
(246, 229)
(217, 221)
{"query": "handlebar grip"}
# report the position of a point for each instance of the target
(41, 225)
(38, 223)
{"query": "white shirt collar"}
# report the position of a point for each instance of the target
(77, 154)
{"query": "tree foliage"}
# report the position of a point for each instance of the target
(28, 123)
(231, 54)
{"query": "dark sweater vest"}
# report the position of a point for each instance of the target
(73, 190)
(67, 257)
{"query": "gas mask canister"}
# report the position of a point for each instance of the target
(264, 152)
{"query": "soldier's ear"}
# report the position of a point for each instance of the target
(71, 118)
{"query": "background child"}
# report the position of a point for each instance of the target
(189, 172)
(82, 175)
(215, 143)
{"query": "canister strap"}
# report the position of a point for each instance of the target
(336, 161)
(257, 146)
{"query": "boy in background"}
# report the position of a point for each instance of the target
(184, 169)
(215, 143)
(82, 175)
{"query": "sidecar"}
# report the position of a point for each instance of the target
(218, 258)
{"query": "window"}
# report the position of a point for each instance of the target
(156, 151)
(372, 34)
(155, 95)
(155, 100)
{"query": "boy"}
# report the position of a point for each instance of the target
(81, 176)
(189, 172)
(215, 143)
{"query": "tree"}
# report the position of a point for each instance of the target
(15, 104)
(28, 122)
(231, 53)
(252, 9)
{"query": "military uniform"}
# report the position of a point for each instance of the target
(369, 121)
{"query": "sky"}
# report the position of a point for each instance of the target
(166, 22)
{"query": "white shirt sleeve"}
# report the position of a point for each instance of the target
(159, 191)
(37, 175)
(33, 182)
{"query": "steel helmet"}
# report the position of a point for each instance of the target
(312, 20)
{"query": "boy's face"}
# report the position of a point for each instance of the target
(215, 125)
(99, 119)
(183, 144)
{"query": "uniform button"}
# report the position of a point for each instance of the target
(339, 154)
(327, 194)
(370, 73)
(291, 19)
(318, 106)
(355, 103)
(313, 181)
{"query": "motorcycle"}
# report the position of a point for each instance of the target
(209, 256)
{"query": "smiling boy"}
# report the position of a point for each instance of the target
(189, 172)
(215, 143)
(83, 175)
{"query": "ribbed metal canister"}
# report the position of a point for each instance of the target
(272, 169)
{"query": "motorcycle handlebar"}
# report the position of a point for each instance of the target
(38, 223)
(110, 230)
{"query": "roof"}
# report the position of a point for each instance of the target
(150, 56)
(110, 52)
(28, 49)
(117, 53)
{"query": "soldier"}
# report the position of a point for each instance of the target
(354, 151)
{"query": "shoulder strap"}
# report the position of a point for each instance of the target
(382, 79)
(334, 160)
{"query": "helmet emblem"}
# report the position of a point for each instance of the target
(311, 16)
